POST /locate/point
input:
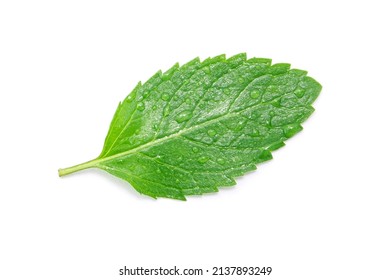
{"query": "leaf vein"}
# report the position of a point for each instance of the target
(206, 90)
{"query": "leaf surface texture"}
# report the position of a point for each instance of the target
(196, 127)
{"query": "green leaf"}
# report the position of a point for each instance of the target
(196, 127)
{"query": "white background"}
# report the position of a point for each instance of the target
(319, 210)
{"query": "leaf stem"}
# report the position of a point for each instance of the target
(75, 168)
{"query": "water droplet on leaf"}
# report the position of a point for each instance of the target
(140, 106)
(195, 149)
(184, 116)
(276, 103)
(165, 97)
(211, 132)
(166, 111)
(130, 98)
(203, 159)
(255, 94)
(291, 130)
(299, 93)
(240, 125)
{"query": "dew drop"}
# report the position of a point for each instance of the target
(276, 103)
(175, 97)
(211, 132)
(140, 106)
(291, 130)
(203, 159)
(226, 91)
(184, 116)
(188, 101)
(240, 125)
(165, 77)
(165, 97)
(255, 94)
(130, 98)
(221, 161)
(299, 93)
(154, 107)
(166, 111)
(195, 149)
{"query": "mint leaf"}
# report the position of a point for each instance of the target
(196, 127)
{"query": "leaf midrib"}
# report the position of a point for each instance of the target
(168, 137)
(200, 65)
